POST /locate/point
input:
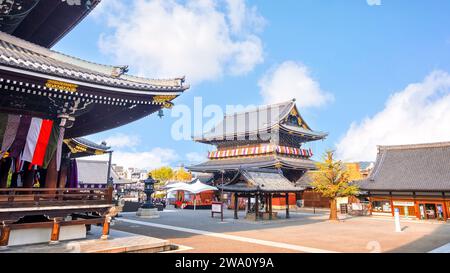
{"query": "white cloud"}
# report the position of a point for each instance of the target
(418, 114)
(292, 80)
(195, 157)
(374, 2)
(155, 158)
(202, 39)
(123, 141)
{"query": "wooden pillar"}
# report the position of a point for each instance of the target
(444, 206)
(51, 179)
(4, 237)
(105, 231)
(236, 198)
(88, 229)
(63, 176)
(249, 204)
(416, 206)
(256, 206)
(28, 177)
(54, 239)
(266, 198)
(270, 206)
(109, 195)
(287, 206)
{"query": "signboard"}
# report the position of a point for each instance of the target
(217, 207)
(52, 84)
(403, 204)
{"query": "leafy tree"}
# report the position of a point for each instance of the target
(162, 174)
(332, 181)
(182, 175)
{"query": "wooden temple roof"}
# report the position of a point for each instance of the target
(44, 83)
(18, 53)
(43, 22)
(81, 147)
(420, 167)
(267, 161)
(258, 121)
(259, 180)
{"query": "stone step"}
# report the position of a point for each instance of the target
(132, 244)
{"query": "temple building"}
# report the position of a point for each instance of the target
(48, 101)
(94, 174)
(260, 156)
(415, 179)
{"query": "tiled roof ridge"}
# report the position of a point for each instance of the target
(107, 70)
(414, 146)
(260, 107)
(43, 50)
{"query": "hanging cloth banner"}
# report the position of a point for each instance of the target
(32, 138)
(10, 133)
(52, 145)
(37, 141)
(42, 143)
(3, 124)
(73, 178)
(21, 136)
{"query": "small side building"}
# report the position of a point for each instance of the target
(94, 174)
(415, 179)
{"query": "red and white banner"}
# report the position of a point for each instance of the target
(37, 141)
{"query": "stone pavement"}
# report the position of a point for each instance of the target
(304, 232)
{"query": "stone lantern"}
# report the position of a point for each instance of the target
(149, 189)
(148, 209)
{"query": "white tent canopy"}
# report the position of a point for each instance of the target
(195, 188)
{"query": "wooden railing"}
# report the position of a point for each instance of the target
(32, 197)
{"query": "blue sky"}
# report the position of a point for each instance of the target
(366, 57)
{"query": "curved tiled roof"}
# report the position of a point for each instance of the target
(260, 119)
(418, 167)
(18, 53)
(253, 162)
(91, 144)
(260, 180)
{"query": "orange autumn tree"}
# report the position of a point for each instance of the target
(182, 175)
(332, 181)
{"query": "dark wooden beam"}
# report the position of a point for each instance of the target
(236, 204)
(28, 177)
(51, 179)
(270, 206)
(256, 206)
(287, 206)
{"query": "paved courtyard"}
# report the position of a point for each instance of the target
(196, 231)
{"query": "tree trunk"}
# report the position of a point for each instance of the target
(333, 210)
